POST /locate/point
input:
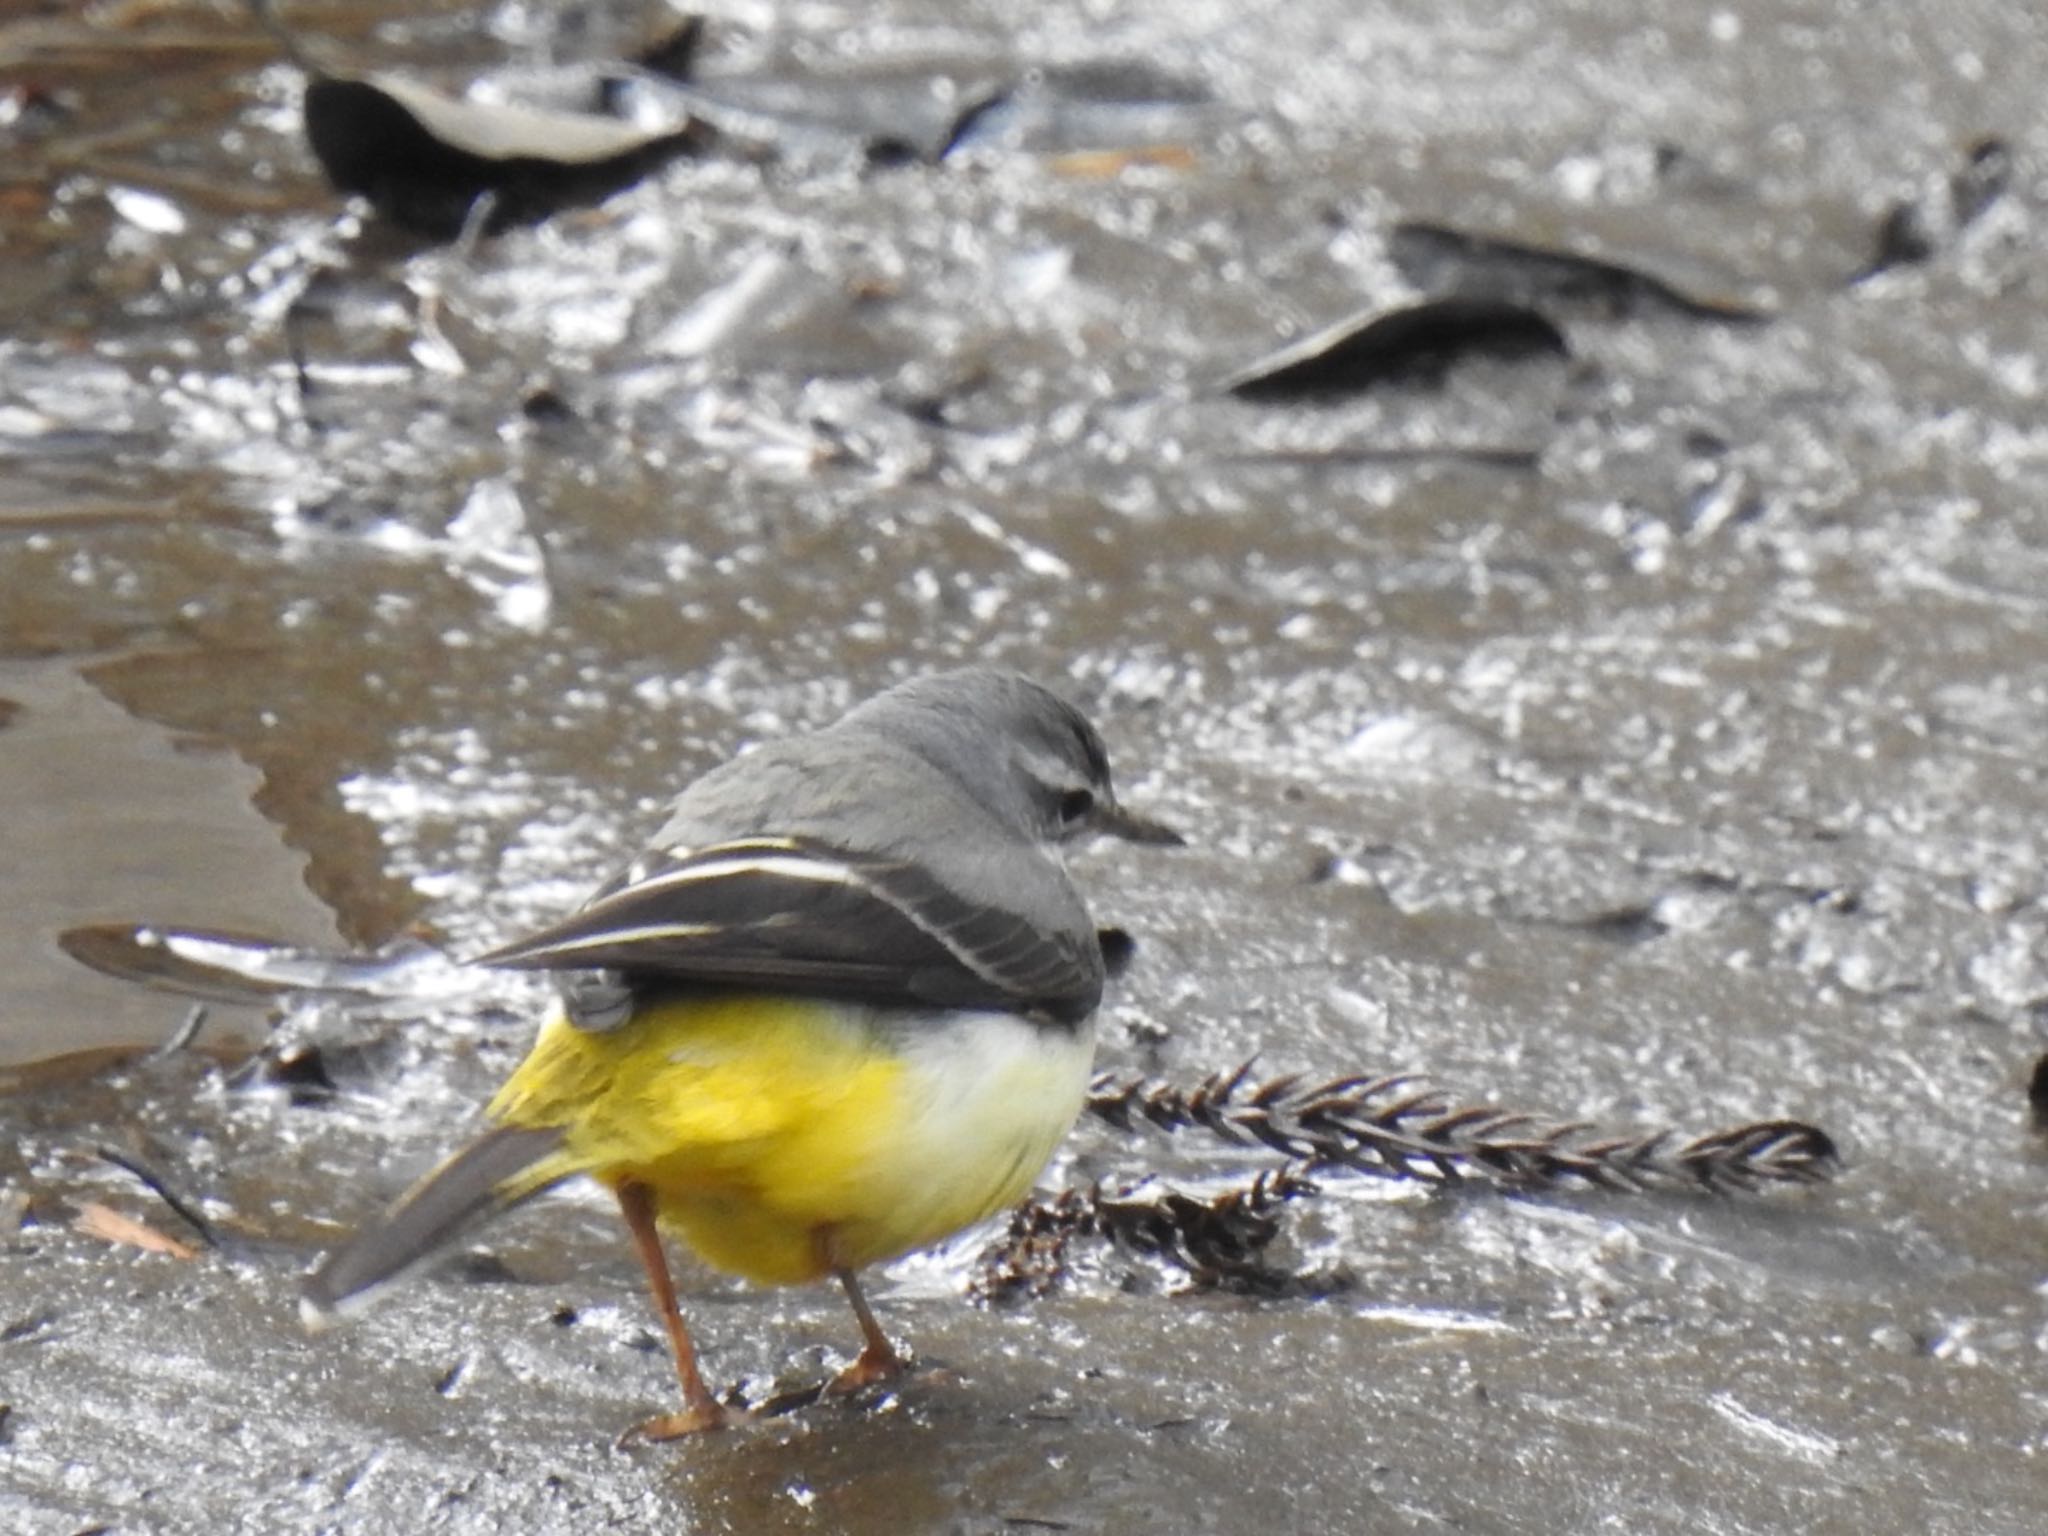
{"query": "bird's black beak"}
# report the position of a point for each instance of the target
(1133, 828)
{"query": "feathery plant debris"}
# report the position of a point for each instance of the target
(1218, 1241)
(1391, 1127)
(1397, 1127)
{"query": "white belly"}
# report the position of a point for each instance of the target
(985, 1098)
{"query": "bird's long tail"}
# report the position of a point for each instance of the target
(501, 1169)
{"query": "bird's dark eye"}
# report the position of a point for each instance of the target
(1075, 804)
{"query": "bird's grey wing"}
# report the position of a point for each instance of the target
(787, 914)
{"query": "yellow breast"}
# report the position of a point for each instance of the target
(785, 1137)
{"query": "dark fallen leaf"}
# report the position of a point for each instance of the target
(424, 158)
(674, 54)
(2037, 1093)
(1440, 259)
(1364, 350)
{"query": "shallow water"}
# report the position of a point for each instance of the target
(1651, 736)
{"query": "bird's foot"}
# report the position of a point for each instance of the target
(874, 1365)
(697, 1419)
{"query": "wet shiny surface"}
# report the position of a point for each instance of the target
(1652, 735)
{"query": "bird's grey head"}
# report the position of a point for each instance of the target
(1020, 749)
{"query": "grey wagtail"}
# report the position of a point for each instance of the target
(839, 1009)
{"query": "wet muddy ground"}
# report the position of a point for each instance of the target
(1645, 726)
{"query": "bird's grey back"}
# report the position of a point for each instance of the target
(861, 788)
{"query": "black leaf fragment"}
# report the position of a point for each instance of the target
(1416, 342)
(425, 159)
(1438, 258)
